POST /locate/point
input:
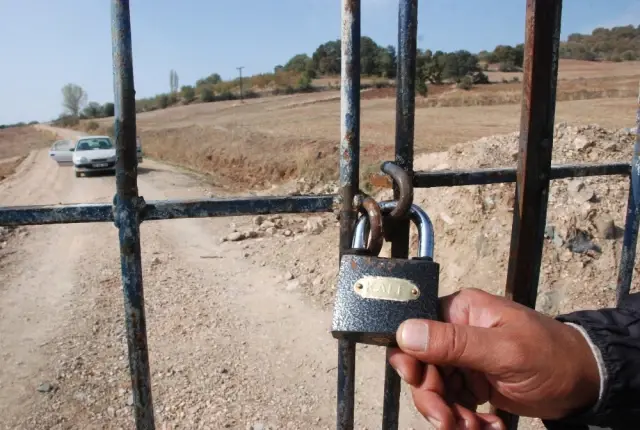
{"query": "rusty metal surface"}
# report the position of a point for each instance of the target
(373, 215)
(402, 180)
(127, 207)
(405, 122)
(542, 40)
(632, 223)
(457, 178)
(349, 164)
(167, 209)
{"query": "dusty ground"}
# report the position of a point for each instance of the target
(238, 330)
(16, 143)
(266, 141)
(230, 345)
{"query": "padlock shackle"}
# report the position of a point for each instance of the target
(426, 240)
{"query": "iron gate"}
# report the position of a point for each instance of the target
(532, 177)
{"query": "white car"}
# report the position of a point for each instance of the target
(94, 154)
(62, 151)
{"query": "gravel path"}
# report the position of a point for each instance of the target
(230, 346)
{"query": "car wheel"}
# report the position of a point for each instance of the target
(78, 174)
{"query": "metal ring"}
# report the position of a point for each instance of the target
(405, 187)
(371, 212)
(419, 217)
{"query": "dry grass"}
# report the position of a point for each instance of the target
(264, 141)
(16, 143)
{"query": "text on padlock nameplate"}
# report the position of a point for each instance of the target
(386, 288)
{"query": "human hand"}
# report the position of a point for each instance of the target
(490, 349)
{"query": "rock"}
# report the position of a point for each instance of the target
(580, 143)
(580, 192)
(258, 426)
(292, 285)
(288, 276)
(155, 261)
(235, 236)
(610, 146)
(287, 233)
(606, 228)
(267, 225)
(314, 225)
(446, 218)
(258, 220)
(130, 400)
(580, 242)
(45, 387)
(317, 281)
(111, 412)
(251, 234)
(270, 231)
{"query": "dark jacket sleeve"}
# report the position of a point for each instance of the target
(616, 334)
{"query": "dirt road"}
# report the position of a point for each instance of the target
(230, 347)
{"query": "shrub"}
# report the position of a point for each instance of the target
(421, 87)
(466, 83)
(188, 93)
(304, 83)
(162, 101)
(92, 125)
(207, 95)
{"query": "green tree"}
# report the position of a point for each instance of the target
(207, 95)
(108, 109)
(298, 63)
(326, 58)
(73, 99)
(93, 110)
(173, 81)
(188, 93)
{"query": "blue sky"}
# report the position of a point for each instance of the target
(48, 43)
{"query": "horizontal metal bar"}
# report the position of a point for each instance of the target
(167, 209)
(456, 178)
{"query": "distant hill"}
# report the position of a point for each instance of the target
(615, 44)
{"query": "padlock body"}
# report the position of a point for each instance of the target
(375, 295)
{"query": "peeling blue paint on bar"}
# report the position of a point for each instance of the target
(349, 165)
(632, 223)
(127, 210)
(167, 209)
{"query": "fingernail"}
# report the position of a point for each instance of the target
(463, 425)
(414, 335)
(496, 426)
(434, 422)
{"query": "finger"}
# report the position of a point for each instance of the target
(490, 422)
(450, 344)
(433, 408)
(465, 419)
(409, 368)
(476, 383)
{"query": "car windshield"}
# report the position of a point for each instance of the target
(97, 143)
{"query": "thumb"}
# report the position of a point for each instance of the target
(455, 345)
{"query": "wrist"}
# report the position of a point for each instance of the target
(588, 372)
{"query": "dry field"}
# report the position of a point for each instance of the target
(15, 144)
(264, 141)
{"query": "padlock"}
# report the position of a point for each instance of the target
(375, 295)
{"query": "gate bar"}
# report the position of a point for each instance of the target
(629, 243)
(542, 41)
(349, 186)
(167, 209)
(405, 120)
(127, 209)
(206, 208)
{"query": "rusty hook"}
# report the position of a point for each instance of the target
(368, 206)
(402, 180)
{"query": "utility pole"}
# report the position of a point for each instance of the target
(240, 71)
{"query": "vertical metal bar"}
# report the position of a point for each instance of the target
(405, 120)
(127, 214)
(349, 186)
(628, 257)
(534, 159)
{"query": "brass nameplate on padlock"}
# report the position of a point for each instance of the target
(386, 288)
